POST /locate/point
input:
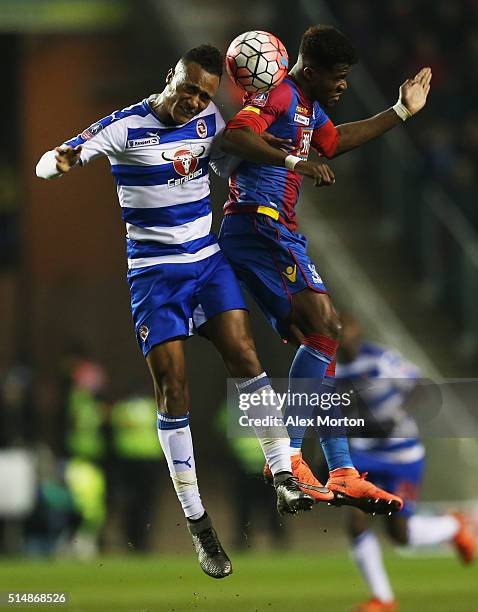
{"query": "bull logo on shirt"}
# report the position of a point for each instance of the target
(185, 161)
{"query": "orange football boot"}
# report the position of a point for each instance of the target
(376, 605)
(352, 489)
(464, 541)
(305, 479)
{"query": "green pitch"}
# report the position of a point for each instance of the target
(278, 582)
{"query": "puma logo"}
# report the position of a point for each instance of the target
(186, 462)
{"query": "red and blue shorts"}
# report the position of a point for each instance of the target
(271, 261)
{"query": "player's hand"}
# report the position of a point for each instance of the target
(285, 144)
(67, 157)
(318, 171)
(413, 93)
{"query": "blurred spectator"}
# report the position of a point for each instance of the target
(134, 474)
(17, 472)
(82, 422)
(17, 410)
(83, 442)
(55, 517)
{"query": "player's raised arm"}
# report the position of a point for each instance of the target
(105, 137)
(412, 98)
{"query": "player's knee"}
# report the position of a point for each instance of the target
(329, 327)
(324, 322)
(333, 326)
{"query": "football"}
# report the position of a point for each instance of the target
(256, 61)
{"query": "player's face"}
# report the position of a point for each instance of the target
(327, 85)
(189, 89)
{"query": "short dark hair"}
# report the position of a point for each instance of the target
(325, 46)
(208, 57)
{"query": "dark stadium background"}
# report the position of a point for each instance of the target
(404, 210)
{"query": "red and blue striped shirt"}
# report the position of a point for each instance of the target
(284, 112)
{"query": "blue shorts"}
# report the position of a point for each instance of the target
(401, 479)
(271, 261)
(173, 300)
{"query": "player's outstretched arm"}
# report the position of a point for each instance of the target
(224, 164)
(247, 144)
(412, 98)
(55, 163)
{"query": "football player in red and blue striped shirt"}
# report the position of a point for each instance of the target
(259, 234)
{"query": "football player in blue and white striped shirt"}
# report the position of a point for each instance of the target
(384, 380)
(159, 150)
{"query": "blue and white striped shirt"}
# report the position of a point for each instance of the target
(161, 175)
(384, 379)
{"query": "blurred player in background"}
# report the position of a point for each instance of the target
(159, 150)
(385, 383)
(259, 235)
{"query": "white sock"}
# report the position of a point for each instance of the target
(274, 440)
(430, 530)
(293, 450)
(177, 444)
(276, 454)
(368, 557)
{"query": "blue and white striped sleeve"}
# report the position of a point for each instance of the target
(105, 137)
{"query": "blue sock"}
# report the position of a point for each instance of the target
(335, 447)
(311, 364)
